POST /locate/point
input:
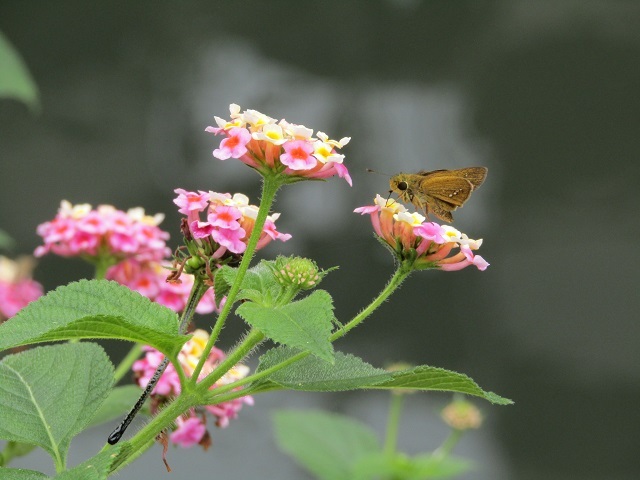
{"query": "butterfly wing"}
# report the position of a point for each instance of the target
(475, 175)
(441, 209)
(447, 188)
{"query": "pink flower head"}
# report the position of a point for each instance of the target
(192, 429)
(264, 143)
(424, 244)
(230, 221)
(104, 232)
(17, 289)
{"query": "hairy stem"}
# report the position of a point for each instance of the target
(393, 422)
(270, 186)
(197, 291)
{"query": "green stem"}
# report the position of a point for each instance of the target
(393, 422)
(102, 265)
(162, 420)
(270, 186)
(126, 362)
(132, 457)
(253, 339)
(257, 376)
(395, 281)
(216, 398)
(447, 446)
(393, 284)
(197, 290)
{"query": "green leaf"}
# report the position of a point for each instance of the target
(15, 80)
(432, 378)
(13, 450)
(117, 404)
(222, 282)
(310, 374)
(6, 242)
(257, 279)
(305, 324)
(20, 474)
(49, 394)
(401, 467)
(96, 468)
(325, 444)
(94, 309)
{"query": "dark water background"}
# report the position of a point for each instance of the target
(546, 94)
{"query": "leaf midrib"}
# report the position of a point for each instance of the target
(41, 415)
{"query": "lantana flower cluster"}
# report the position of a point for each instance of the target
(103, 232)
(17, 288)
(426, 244)
(228, 222)
(191, 428)
(266, 144)
(149, 278)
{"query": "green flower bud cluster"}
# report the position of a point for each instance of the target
(297, 271)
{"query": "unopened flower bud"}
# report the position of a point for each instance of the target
(462, 415)
(297, 271)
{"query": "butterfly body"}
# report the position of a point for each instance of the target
(439, 191)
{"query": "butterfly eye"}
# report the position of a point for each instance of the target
(402, 186)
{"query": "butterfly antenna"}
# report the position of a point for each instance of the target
(369, 170)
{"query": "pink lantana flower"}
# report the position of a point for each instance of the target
(188, 432)
(225, 216)
(144, 369)
(17, 289)
(297, 155)
(266, 144)
(103, 233)
(191, 203)
(191, 430)
(423, 244)
(235, 145)
(229, 223)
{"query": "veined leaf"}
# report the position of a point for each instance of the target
(49, 394)
(94, 309)
(305, 324)
(259, 280)
(14, 449)
(311, 374)
(20, 474)
(433, 378)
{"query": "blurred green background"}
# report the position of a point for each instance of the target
(546, 94)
